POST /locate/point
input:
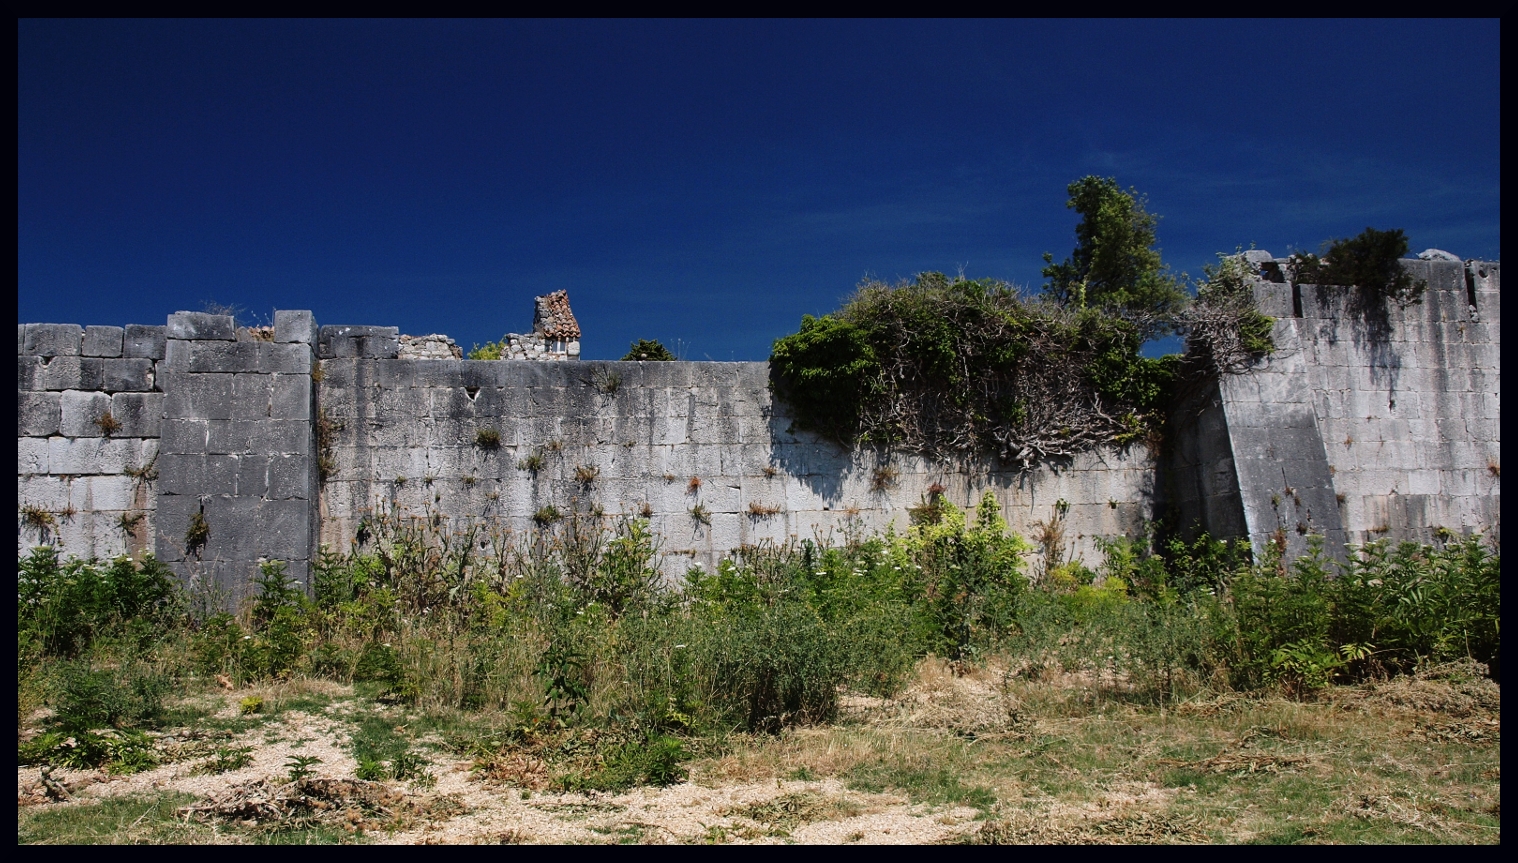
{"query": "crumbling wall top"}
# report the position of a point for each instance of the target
(553, 319)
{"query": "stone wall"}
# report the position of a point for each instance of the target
(1369, 421)
(237, 449)
(658, 439)
(1409, 401)
(88, 412)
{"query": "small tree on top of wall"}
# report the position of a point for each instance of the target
(1114, 266)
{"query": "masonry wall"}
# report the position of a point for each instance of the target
(236, 455)
(659, 439)
(1369, 421)
(1410, 403)
(78, 486)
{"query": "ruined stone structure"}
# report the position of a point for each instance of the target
(555, 332)
(1369, 421)
(433, 347)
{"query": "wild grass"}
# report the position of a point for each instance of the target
(1210, 695)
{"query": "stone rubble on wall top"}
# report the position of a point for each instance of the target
(1437, 255)
(431, 347)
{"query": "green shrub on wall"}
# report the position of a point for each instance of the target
(950, 367)
(1372, 260)
(947, 367)
(648, 350)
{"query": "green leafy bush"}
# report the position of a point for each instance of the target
(570, 637)
(652, 760)
(489, 350)
(126, 697)
(1225, 332)
(827, 372)
(951, 367)
(648, 350)
(1370, 260)
(65, 606)
(116, 751)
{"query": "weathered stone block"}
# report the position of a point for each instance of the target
(251, 396)
(207, 396)
(82, 413)
(49, 373)
(294, 327)
(222, 473)
(133, 375)
(102, 341)
(176, 355)
(181, 473)
(31, 456)
(290, 359)
(140, 414)
(290, 397)
(53, 340)
(340, 374)
(230, 436)
(92, 373)
(224, 356)
(201, 326)
(290, 477)
(355, 341)
(38, 414)
(28, 370)
(437, 373)
(253, 475)
(103, 493)
(185, 435)
(143, 340)
(281, 436)
(96, 455)
(172, 518)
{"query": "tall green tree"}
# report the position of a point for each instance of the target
(1115, 265)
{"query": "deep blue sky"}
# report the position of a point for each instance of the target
(706, 183)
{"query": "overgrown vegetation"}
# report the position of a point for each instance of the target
(1225, 332)
(490, 350)
(572, 665)
(578, 616)
(951, 367)
(648, 350)
(1370, 260)
(1114, 266)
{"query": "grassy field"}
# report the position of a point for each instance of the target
(961, 755)
(956, 683)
